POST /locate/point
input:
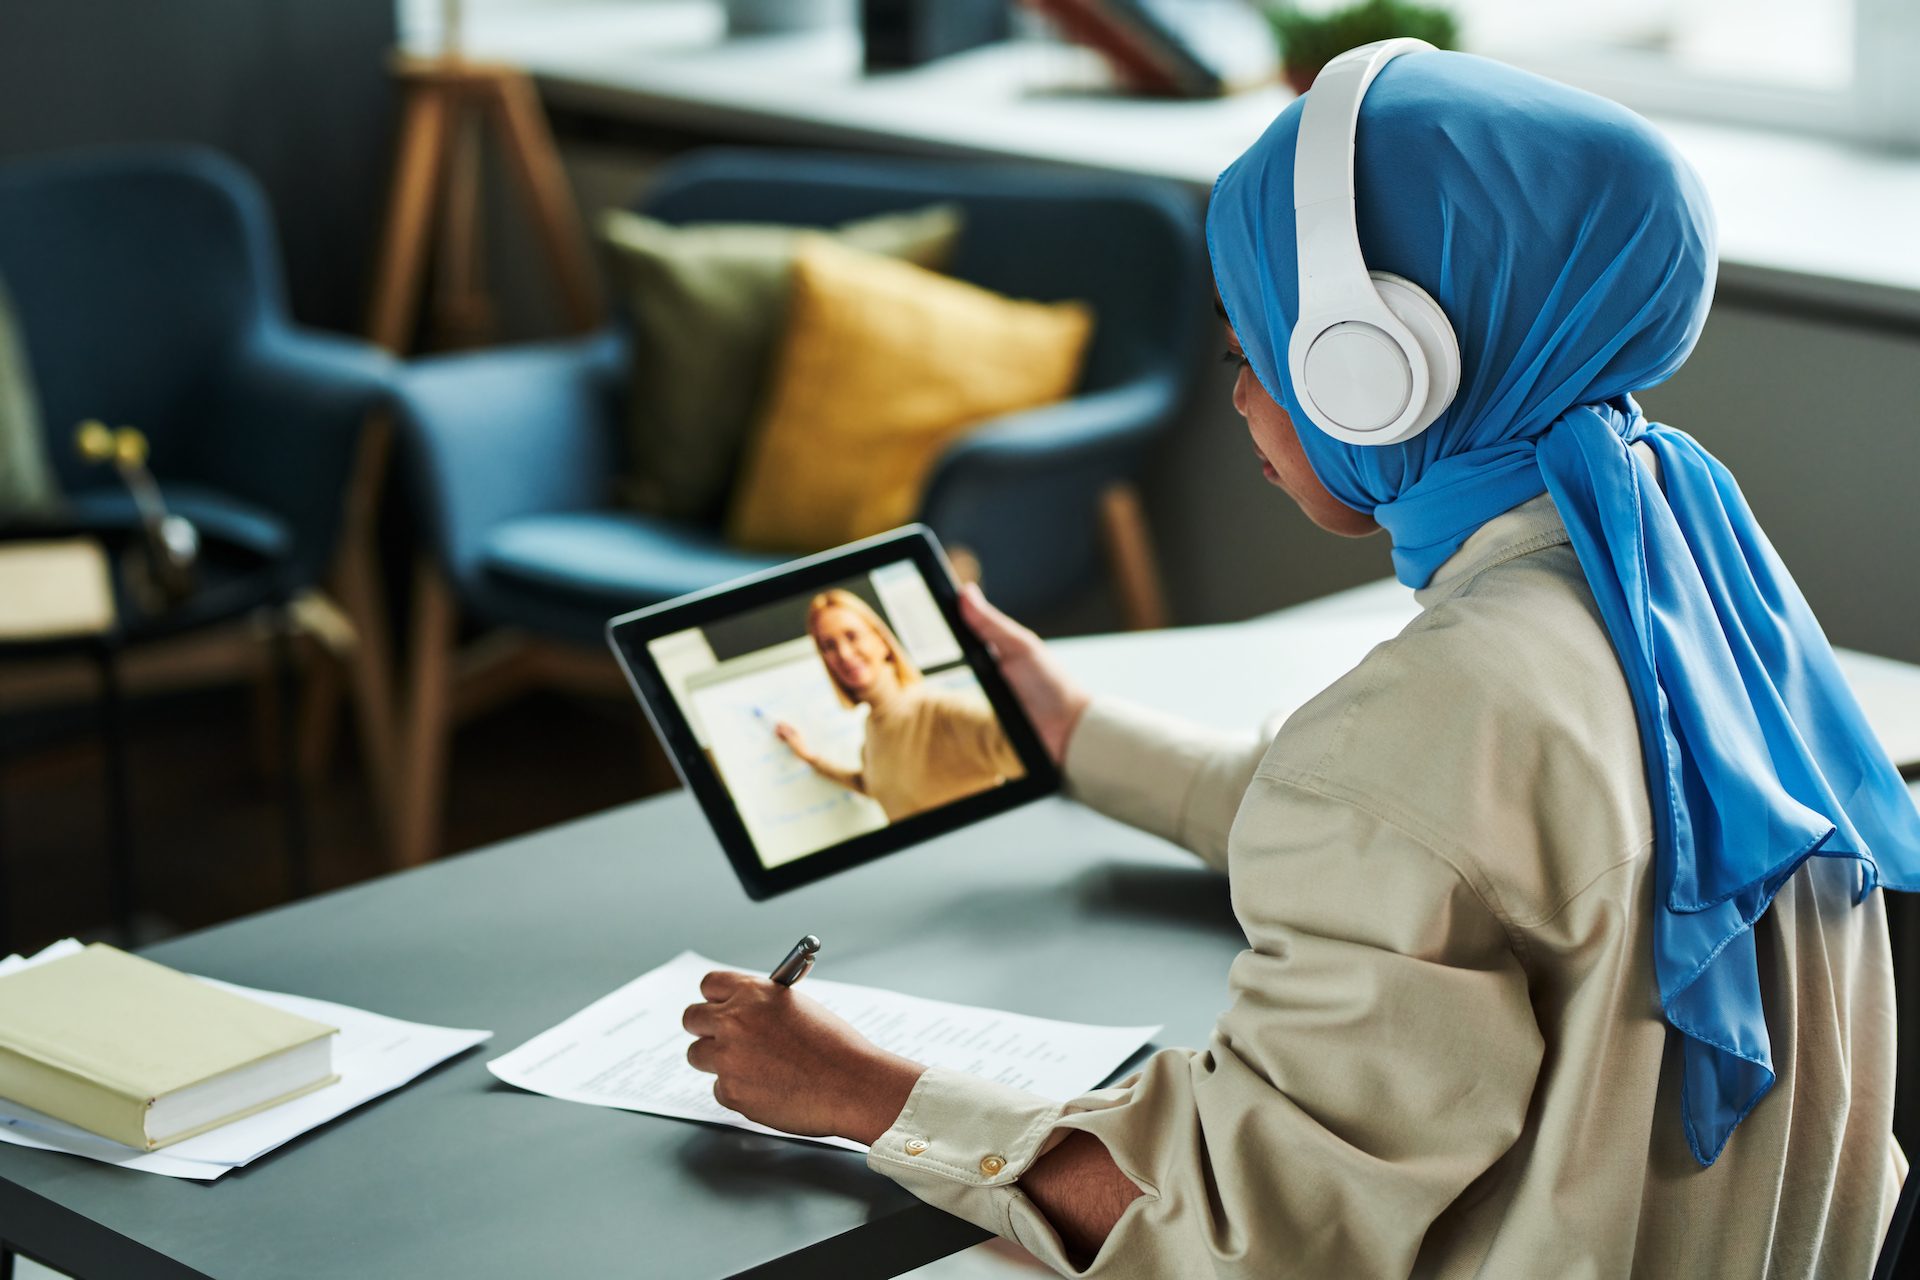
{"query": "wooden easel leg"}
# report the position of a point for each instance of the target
(529, 148)
(462, 312)
(403, 244)
(1136, 576)
(426, 726)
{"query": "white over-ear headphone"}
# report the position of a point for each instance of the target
(1373, 357)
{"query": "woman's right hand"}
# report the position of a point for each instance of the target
(1050, 698)
(795, 743)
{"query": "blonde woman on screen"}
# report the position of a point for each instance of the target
(924, 747)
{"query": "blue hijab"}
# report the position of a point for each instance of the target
(1573, 250)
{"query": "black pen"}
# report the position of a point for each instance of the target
(798, 961)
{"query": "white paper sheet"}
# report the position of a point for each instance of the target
(627, 1050)
(373, 1055)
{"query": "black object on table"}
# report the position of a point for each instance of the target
(232, 580)
(897, 34)
(459, 1175)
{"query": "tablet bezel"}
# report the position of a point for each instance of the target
(629, 634)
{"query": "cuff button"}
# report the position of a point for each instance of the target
(916, 1146)
(992, 1165)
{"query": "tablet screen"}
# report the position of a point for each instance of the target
(836, 710)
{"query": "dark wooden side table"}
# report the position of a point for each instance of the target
(68, 590)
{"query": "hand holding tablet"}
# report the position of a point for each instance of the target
(833, 710)
(1052, 700)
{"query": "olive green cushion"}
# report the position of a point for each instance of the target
(708, 303)
(27, 484)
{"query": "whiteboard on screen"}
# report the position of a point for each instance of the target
(788, 809)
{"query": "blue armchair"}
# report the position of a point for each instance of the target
(148, 291)
(512, 453)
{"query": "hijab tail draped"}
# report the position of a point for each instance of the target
(1758, 756)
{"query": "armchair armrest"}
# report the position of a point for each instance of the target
(492, 435)
(287, 413)
(1022, 492)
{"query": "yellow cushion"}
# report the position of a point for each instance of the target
(884, 364)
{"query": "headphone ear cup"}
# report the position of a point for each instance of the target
(1415, 308)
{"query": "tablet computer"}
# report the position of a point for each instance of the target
(833, 710)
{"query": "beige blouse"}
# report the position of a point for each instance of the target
(932, 746)
(1442, 1052)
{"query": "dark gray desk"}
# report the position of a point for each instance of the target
(459, 1175)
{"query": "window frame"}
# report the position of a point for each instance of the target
(1879, 107)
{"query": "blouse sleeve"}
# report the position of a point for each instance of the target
(1377, 1056)
(1163, 775)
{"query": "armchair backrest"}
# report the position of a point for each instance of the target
(133, 271)
(1131, 247)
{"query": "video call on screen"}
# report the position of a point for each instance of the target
(837, 711)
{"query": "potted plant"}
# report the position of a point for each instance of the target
(1309, 41)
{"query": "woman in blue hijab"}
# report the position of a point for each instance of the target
(1565, 955)
(1575, 257)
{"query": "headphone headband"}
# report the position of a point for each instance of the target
(1323, 161)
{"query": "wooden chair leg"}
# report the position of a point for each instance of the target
(263, 697)
(421, 800)
(361, 594)
(294, 811)
(1136, 574)
(320, 644)
(491, 672)
(371, 686)
(319, 718)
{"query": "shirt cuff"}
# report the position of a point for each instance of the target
(960, 1144)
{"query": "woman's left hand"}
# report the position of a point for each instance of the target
(1047, 694)
(786, 1061)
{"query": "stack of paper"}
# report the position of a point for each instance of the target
(372, 1055)
(628, 1050)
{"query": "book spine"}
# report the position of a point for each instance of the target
(79, 1100)
(1152, 57)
